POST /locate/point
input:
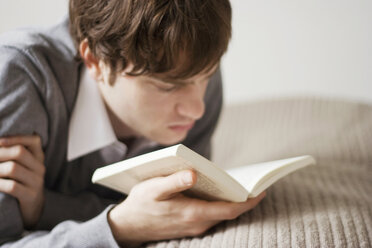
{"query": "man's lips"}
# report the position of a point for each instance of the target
(182, 127)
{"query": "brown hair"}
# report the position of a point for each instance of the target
(178, 37)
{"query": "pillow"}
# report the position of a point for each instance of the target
(273, 129)
(326, 205)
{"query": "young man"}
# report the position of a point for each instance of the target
(146, 77)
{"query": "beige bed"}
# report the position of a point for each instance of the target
(327, 205)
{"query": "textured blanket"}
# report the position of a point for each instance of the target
(326, 205)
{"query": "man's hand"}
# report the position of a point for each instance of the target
(22, 174)
(155, 210)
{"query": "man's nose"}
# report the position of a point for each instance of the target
(191, 102)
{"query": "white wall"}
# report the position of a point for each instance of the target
(18, 13)
(313, 47)
(286, 47)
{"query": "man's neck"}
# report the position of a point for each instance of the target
(122, 131)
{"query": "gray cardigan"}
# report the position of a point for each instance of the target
(39, 79)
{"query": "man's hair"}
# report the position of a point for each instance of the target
(180, 38)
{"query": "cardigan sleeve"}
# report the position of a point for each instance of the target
(23, 112)
(93, 233)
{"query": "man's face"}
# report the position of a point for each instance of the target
(152, 107)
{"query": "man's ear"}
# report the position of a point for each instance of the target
(90, 61)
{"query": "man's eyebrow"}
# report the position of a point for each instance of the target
(170, 81)
(183, 82)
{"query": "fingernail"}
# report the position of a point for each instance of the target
(188, 178)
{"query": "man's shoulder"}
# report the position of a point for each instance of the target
(41, 50)
(54, 37)
(41, 59)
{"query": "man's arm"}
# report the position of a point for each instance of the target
(93, 233)
(20, 177)
(24, 111)
(16, 107)
(154, 210)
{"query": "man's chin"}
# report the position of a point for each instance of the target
(172, 140)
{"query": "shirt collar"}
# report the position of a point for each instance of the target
(90, 128)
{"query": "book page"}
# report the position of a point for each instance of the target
(257, 177)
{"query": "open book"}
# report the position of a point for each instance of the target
(213, 183)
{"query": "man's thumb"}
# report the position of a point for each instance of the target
(167, 186)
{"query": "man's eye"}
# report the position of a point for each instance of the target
(169, 88)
